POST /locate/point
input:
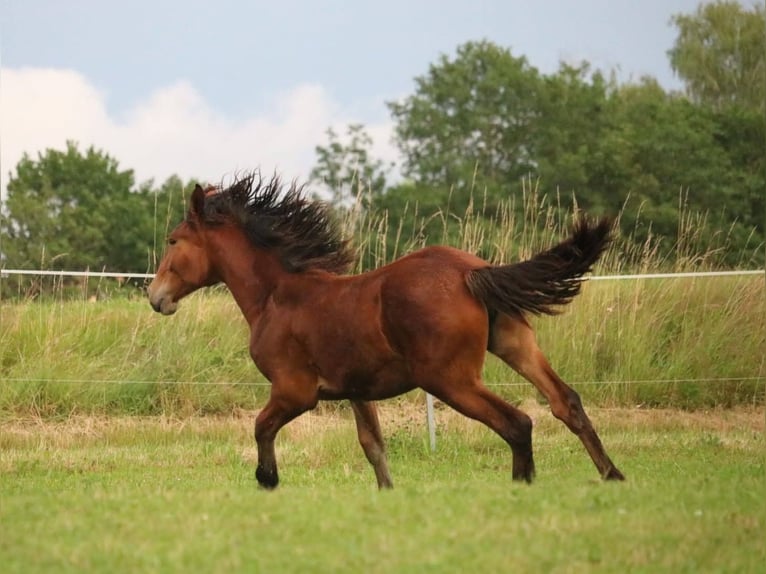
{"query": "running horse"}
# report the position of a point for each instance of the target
(424, 321)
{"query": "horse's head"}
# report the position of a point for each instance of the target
(186, 265)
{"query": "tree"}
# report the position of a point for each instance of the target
(669, 148)
(482, 120)
(741, 133)
(575, 119)
(75, 210)
(72, 209)
(346, 169)
(720, 53)
(468, 125)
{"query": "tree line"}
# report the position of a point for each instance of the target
(482, 126)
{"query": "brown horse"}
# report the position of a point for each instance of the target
(425, 320)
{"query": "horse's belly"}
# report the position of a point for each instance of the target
(368, 386)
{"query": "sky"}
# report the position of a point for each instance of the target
(205, 89)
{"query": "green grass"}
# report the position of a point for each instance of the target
(706, 333)
(172, 494)
(117, 356)
(64, 357)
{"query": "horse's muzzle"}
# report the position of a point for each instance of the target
(164, 305)
(161, 301)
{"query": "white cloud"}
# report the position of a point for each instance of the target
(173, 131)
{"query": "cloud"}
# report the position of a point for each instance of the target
(173, 131)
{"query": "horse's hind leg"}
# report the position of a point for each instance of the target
(475, 401)
(371, 439)
(513, 340)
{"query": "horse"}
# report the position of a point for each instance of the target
(424, 321)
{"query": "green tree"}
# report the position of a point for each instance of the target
(575, 118)
(75, 210)
(741, 133)
(468, 126)
(482, 120)
(720, 53)
(669, 148)
(348, 169)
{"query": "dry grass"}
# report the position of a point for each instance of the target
(401, 415)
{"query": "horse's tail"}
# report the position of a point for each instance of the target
(548, 279)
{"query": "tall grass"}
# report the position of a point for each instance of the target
(696, 342)
(515, 229)
(63, 357)
(691, 342)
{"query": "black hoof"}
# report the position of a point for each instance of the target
(527, 475)
(527, 478)
(613, 474)
(268, 479)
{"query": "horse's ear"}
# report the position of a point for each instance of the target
(197, 202)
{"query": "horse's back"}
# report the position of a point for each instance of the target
(432, 274)
(441, 254)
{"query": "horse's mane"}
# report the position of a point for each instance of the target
(300, 230)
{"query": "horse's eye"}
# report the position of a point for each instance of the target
(171, 241)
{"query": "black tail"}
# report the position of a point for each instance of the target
(549, 279)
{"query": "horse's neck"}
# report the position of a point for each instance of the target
(251, 276)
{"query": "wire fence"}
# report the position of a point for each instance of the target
(709, 380)
(54, 273)
(114, 275)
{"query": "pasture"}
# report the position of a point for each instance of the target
(126, 445)
(168, 494)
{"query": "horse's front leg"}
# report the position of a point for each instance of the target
(279, 410)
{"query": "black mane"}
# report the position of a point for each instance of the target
(300, 230)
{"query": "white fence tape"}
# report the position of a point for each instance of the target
(680, 275)
(51, 273)
(42, 273)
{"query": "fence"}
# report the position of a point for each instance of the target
(39, 273)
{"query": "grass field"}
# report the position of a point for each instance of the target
(159, 494)
(126, 438)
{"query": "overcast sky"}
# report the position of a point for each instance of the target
(202, 89)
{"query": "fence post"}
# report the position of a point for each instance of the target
(431, 421)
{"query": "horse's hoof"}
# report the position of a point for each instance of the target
(613, 474)
(267, 480)
(527, 476)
